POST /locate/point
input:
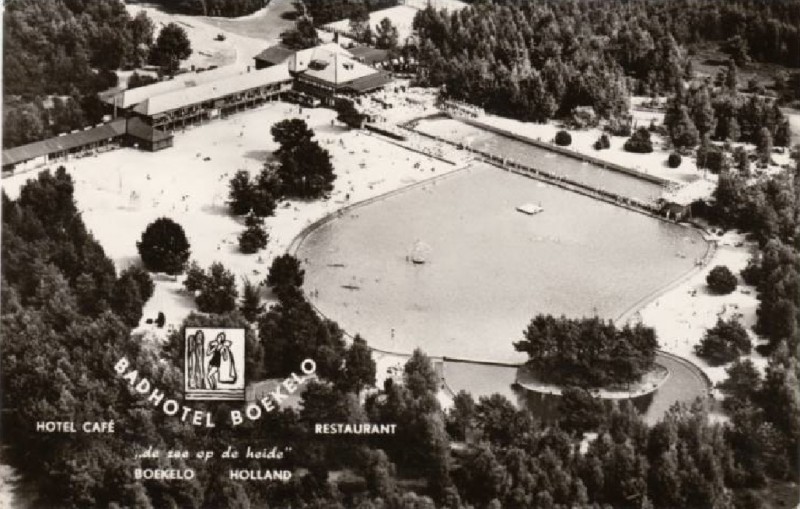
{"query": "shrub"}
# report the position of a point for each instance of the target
(619, 126)
(251, 305)
(721, 280)
(164, 247)
(674, 160)
(602, 143)
(725, 342)
(639, 142)
(563, 138)
(713, 158)
(140, 80)
(215, 289)
(752, 273)
(254, 237)
(143, 281)
(195, 278)
(285, 272)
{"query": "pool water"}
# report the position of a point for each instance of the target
(488, 267)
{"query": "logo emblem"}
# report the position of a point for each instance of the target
(214, 364)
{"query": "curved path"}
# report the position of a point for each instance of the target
(685, 384)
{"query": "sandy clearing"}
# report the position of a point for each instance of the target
(206, 51)
(120, 192)
(265, 24)
(683, 314)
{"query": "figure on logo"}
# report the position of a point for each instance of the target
(195, 360)
(221, 367)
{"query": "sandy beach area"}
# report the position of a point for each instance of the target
(683, 314)
(121, 191)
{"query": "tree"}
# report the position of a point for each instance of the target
(144, 283)
(703, 111)
(723, 343)
(142, 30)
(285, 272)
(291, 331)
(172, 46)
(684, 134)
(607, 354)
(348, 114)
(461, 416)
(290, 134)
(359, 368)
(251, 305)
(579, 411)
(742, 385)
(674, 160)
(359, 23)
(302, 36)
(420, 378)
(764, 145)
(195, 278)
(255, 237)
(380, 474)
(22, 125)
(241, 193)
(721, 280)
(307, 171)
(386, 35)
(164, 247)
(737, 48)
(742, 161)
(731, 81)
(218, 293)
(127, 302)
(639, 142)
(563, 138)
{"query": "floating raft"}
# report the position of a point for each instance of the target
(530, 208)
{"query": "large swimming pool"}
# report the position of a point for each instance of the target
(488, 267)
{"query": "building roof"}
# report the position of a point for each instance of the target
(131, 97)
(66, 142)
(303, 58)
(275, 54)
(369, 55)
(138, 128)
(204, 92)
(367, 83)
(337, 70)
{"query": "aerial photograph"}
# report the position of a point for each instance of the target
(400, 254)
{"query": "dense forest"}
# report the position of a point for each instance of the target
(537, 60)
(224, 8)
(61, 298)
(327, 11)
(58, 54)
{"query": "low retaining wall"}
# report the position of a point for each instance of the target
(557, 180)
(385, 132)
(566, 152)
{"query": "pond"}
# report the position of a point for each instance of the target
(488, 268)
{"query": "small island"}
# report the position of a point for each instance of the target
(589, 353)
